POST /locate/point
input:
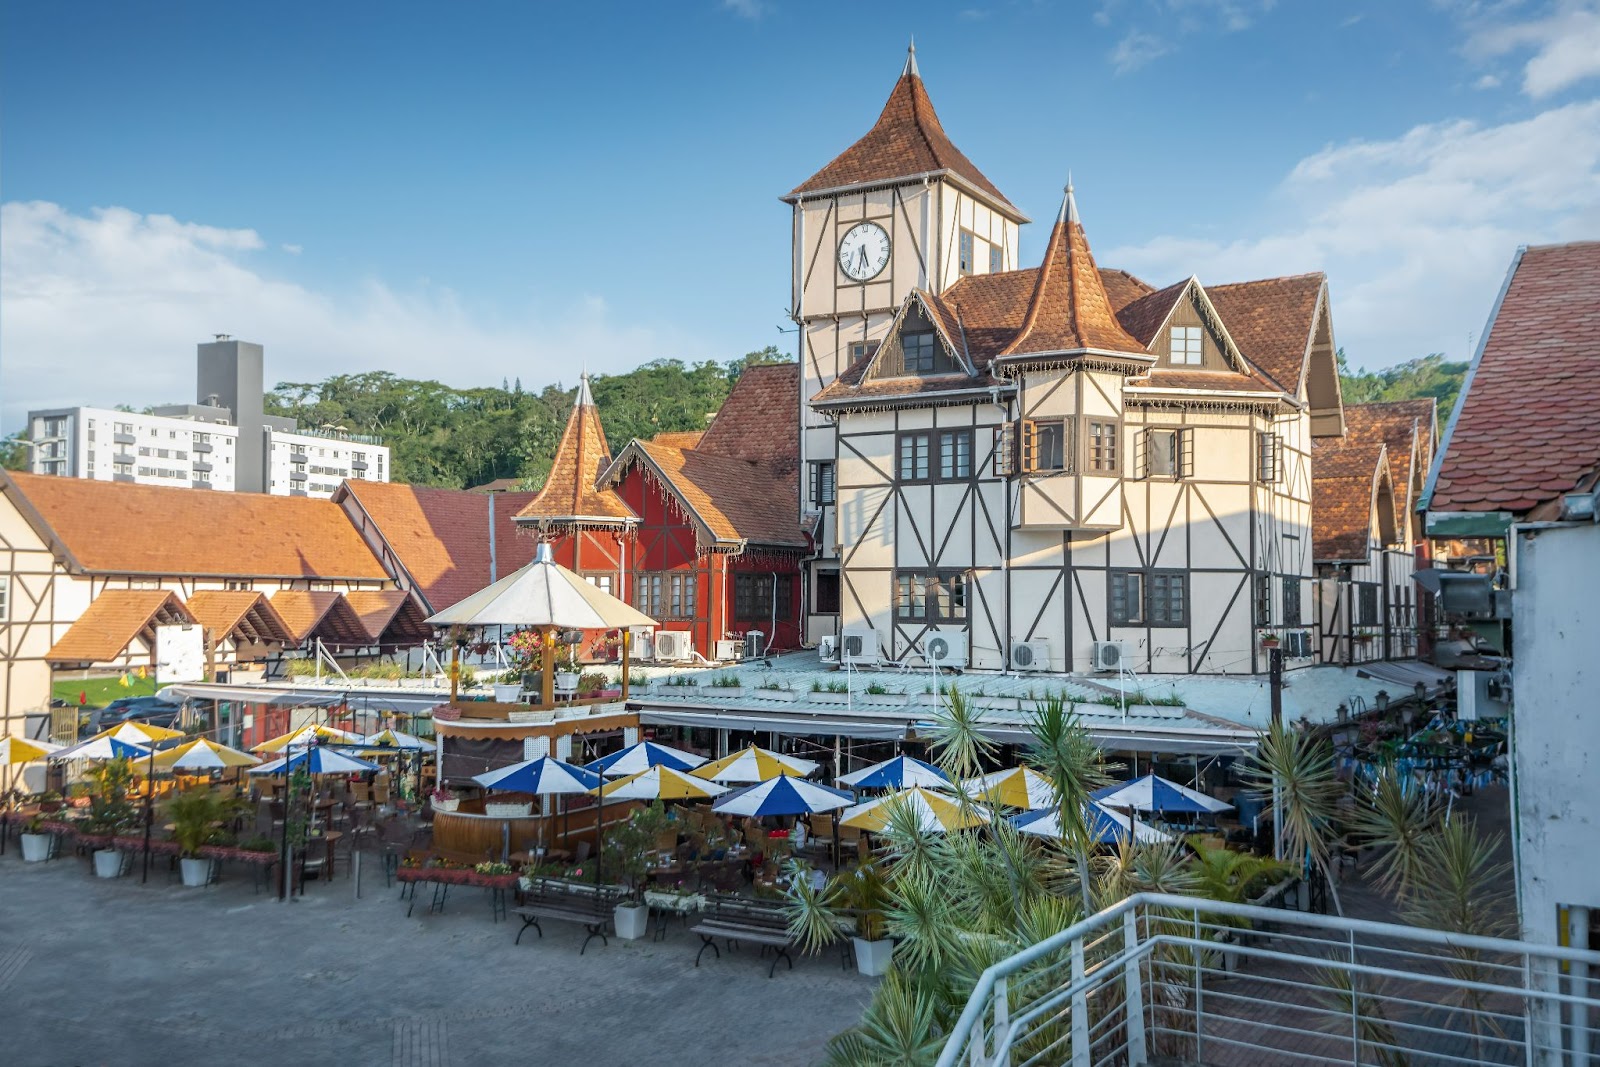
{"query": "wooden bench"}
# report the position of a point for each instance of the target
(579, 902)
(741, 919)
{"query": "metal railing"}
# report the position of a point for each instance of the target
(1180, 980)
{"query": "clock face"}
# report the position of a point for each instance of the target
(864, 252)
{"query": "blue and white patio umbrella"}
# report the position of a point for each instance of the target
(782, 795)
(318, 759)
(102, 747)
(544, 776)
(1154, 793)
(1105, 827)
(901, 772)
(636, 759)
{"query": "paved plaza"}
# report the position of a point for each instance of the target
(118, 973)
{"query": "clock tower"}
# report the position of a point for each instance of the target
(901, 209)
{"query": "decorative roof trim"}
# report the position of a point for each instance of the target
(706, 539)
(1010, 211)
(948, 398)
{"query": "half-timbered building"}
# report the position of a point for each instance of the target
(1060, 467)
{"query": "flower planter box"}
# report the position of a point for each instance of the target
(726, 692)
(445, 805)
(507, 693)
(1156, 711)
(895, 700)
(531, 716)
(829, 698)
(997, 703)
(569, 711)
(926, 700)
(873, 957)
(107, 863)
(631, 921)
(507, 811)
(775, 694)
(35, 848)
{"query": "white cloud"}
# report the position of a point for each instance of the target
(1565, 42)
(293, 250)
(1135, 50)
(1415, 233)
(1488, 81)
(745, 9)
(105, 308)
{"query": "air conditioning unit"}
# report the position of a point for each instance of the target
(755, 644)
(728, 650)
(1111, 655)
(859, 647)
(946, 650)
(641, 645)
(672, 646)
(828, 649)
(1297, 644)
(1030, 656)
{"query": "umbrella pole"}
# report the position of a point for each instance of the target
(547, 664)
(149, 811)
(599, 828)
(626, 641)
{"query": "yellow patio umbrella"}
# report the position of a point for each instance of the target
(21, 750)
(753, 765)
(661, 783)
(139, 733)
(202, 754)
(1019, 787)
(305, 735)
(936, 811)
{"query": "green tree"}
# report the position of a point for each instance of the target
(1430, 375)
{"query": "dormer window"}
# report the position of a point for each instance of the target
(920, 350)
(1186, 346)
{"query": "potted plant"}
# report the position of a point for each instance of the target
(1269, 638)
(567, 673)
(195, 815)
(35, 842)
(508, 687)
(627, 857)
(850, 903)
(110, 812)
(443, 799)
(1235, 877)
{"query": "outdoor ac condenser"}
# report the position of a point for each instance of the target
(859, 647)
(641, 645)
(1111, 655)
(727, 650)
(828, 649)
(946, 650)
(672, 646)
(1030, 655)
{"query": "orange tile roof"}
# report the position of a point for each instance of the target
(320, 613)
(906, 141)
(1143, 316)
(1123, 288)
(734, 499)
(113, 619)
(679, 438)
(1523, 433)
(569, 492)
(1271, 321)
(1069, 310)
(238, 614)
(759, 421)
(443, 537)
(1217, 381)
(389, 616)
(1346, 475)
(1405, 427)
(117, 528)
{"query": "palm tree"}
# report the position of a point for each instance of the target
(1399, 823)
(1063, 752)
(1297, 769)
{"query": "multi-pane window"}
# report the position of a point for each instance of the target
(1102, 447)
(861, 349)
(1168, 453)
(1366, 604)
(826, 601)
(918, 351)
(1261, 599)
(965, 245)
(822, 484)
(1149, 598)
(930, 596)
(997, 259)
(756, 597)
(1269, 457)
(955, 454)
(913, 451)
(1291, 600)
(1186, 345)
(5, 598)
(1046, 445)
(601, 582)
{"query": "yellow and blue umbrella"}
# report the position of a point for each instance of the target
(22, 750)
(782, 795)
(936, 812)
(307, 735)
(202, 754)
(1019, 787)
(102, 746)
(1155, 793)
(1104, 825)
(641, 757)
(318, 759)
(901, 772)
(544, 776)
(754, 765)
(662, 783)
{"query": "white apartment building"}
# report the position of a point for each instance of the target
(223, 441)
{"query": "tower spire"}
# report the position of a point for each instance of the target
(911, 60)
(1069, 204)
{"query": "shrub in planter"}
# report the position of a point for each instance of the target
(194, 814)
(35, 842)
(850, 904)
(443, 799)
(627, 852)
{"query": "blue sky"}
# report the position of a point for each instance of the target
(471, 192)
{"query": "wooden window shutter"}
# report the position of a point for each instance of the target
(1029, 449)
(1186, 453)
(1141, 453)
(1005, 450)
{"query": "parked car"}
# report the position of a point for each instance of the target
(152, 710)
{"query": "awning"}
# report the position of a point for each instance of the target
(111, 623)
(322, 614)
(242, 616)
(1405, 674)
(389, 616)
(361, 699)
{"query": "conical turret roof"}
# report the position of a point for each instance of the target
(569, 493)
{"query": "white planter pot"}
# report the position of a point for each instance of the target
(531, 716)
(35, 848)
(107, 863)
(445, 805)
(776, 694)
(567, 680)
(898, 700)
(507, 693)
(726, 692)
(507, 811)
(927, 700)
(873, 957)
(631, 920)
(829, 698)
(196, 872)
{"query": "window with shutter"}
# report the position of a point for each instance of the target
(1005, 450)
(1186, 453)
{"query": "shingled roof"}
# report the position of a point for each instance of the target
(1271, 320)
(758, 421)
(1348, 475)
(242, 615)
(320, 613)
(569, 495)
(907, 141)
(1523, 433)
(1406, 429)
(117, 528)
(111, 622)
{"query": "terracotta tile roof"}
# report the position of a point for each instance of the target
(1221, 381)
(907, 140)
(498, 485)
(759, 421)
(569, 492)
(843, 391)
(320, 613)
(238, 614)
(117, 528)
(442, 537)
(987, 310)
(1123, 288)
(734, 499)
(1524, 432)
(1345, 476)
(1271, 321)
(1142, 317)
(1404, 427)
(389, 616)
(679, 438)
(1069, 309)
(115, 618)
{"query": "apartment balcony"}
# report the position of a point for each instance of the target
(200, 465)
(123, 438)
(123, 457)
(1173, 980)
(202, 446)
(122, 477)
(358, 464)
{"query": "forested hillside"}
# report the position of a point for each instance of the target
(1427, 376)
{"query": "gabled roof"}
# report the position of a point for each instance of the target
(1405, 427)
(113, 619)
(569, 494)
(241, 615)
(389, 616)
(1272, 321)
(449, 542)
(758, 421)
(1347, 476)
(320, 613)
(1145, 318)
(1069, 310)
(907, 141)
(1523, 432)
(117, 528)
(679, 438)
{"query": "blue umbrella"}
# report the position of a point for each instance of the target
(1154, 793)
(901, 772)
(636, 759)
(319, 759)
(1105, 827)
(541, 776)
(101, 747)
(782, 795)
